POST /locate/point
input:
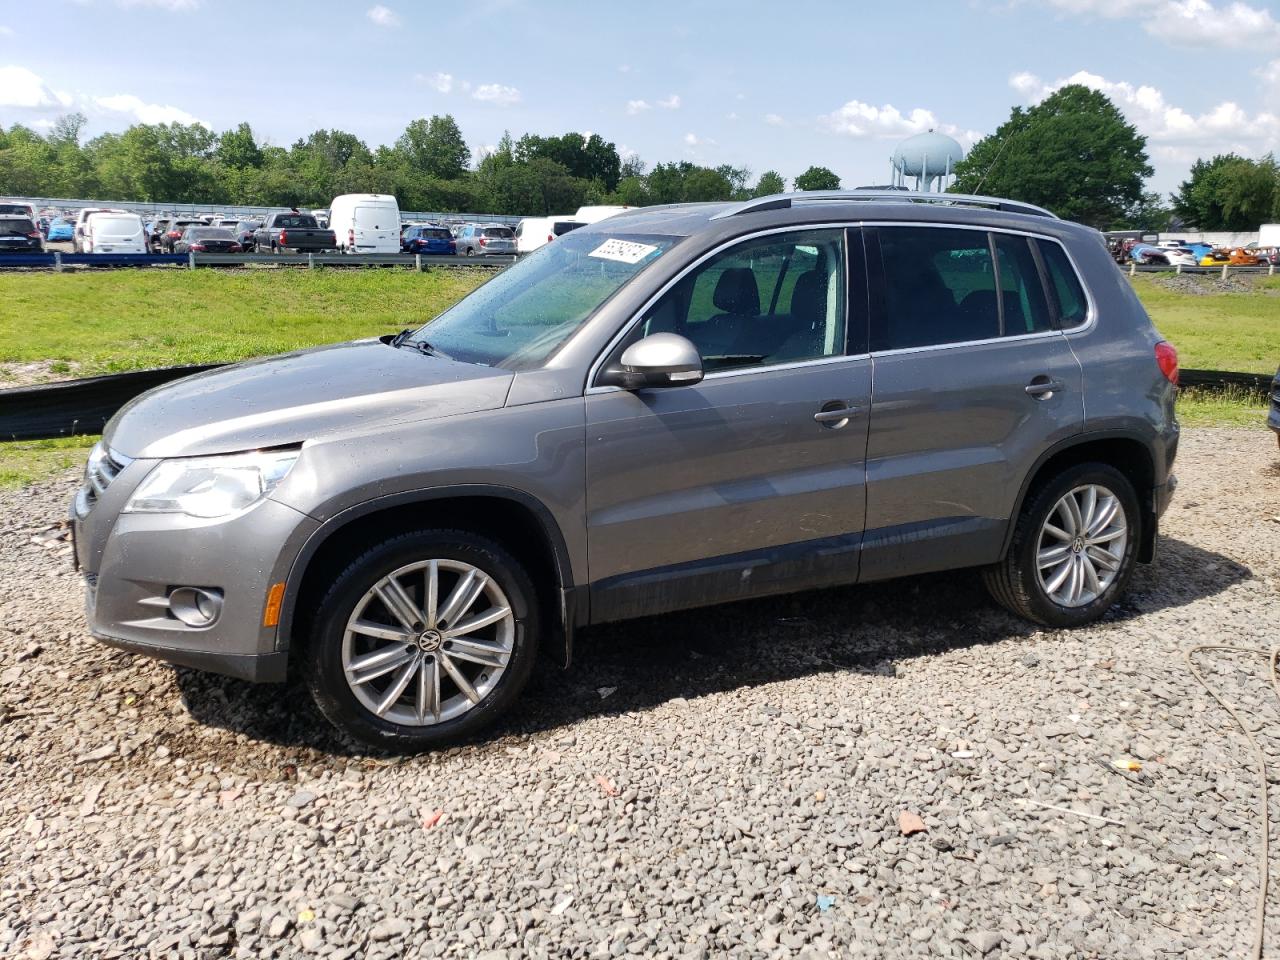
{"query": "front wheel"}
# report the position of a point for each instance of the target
(423, 640)
(1074, 548)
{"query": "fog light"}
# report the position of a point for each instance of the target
(196, 606)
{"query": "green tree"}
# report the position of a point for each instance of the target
(239, 148)
(770, 182)
(435, 147)
(1150, 215)
(818, 178)
(588, 158)
(1229, 192)
(1073, 153)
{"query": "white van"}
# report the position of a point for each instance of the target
(535, 232)
(596, 214)
(82, 218)
(114, 233)
(365, 223)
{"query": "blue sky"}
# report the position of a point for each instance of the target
(778, 86)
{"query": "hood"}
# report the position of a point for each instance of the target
(341, 389)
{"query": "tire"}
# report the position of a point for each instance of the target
(332, 647)
(1017, 583)
(470, 252)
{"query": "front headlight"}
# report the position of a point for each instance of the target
(210, 487)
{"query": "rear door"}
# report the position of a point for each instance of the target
(750, 482)
(973, 381)
(377, 227)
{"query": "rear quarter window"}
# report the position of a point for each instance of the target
(1064, 285)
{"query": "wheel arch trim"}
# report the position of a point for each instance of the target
(570, 612)
(1146, 543)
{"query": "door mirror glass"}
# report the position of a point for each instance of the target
(659, 360)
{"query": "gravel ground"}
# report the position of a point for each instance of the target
(725, 782)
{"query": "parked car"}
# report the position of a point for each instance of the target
(1180, 257)
(664, 411)
(1236, 257)
(207, 240)
(114, 233)
(365, 223)
(281, 232)
(478, 240)
(170, 232)
(534, 232)
(595, 214)
(19, 234)
(82, 217)
(17, 208)
(61, 230)
(428, 239)
(244, 231)
(1147, 255)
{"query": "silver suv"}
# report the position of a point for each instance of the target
(673, 407)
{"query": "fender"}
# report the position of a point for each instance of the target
(571, 602)
(1146, 549)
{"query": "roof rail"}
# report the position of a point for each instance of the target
(782, 201)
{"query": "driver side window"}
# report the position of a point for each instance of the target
(775, 299)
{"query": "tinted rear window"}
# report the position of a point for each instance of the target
(11, 224)
(18, 208)
(939, 287)
(561, 227)
(503, 233)
(439, 234)
(211, 233)
(300, 221)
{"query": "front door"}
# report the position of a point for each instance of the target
(973, 381)
(750, 482)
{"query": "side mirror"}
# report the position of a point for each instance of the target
(659, 360)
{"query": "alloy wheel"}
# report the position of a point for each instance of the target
(428, 642)
(1082, 544)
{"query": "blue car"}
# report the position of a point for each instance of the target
(428, 239)
(61, 229)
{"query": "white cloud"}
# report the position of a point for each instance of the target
(670, 103)
(5, 31)
(484, 149)
(173, 6)
(693, 140)
(774, 120)
(145, 112)
(637, 106)
(1227, 125)
(44, 123)
(498, 93)
(19, 87)
(440, 82)
(624, 68)
(860, 119)
(1189, 23)
(731, 116)
(383, 16)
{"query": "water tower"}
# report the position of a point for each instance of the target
(928, 157)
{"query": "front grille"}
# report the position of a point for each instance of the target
(103, 467)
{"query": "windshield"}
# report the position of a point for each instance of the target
(521, 316)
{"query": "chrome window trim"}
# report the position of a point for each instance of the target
(1091, 315)
(626, 328)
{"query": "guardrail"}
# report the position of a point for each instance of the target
(1265, 269)
(70, 407)
(192, 261)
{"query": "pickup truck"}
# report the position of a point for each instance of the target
(292, 231)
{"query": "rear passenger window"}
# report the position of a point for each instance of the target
(939, 287)
(1021, 292)
(1072, 306)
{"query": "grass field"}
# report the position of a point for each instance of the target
(1221, 331)
(130, 319)
(122, 320)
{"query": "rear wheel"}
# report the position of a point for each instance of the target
(423, 640)
(1074, 548)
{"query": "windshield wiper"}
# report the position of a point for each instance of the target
(424, 348)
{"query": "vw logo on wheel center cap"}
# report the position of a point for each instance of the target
(428, 640)
(1077, 544)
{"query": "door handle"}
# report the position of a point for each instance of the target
(834, 416)
(1042, 387)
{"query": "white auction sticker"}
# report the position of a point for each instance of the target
(624, 251)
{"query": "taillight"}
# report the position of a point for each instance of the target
(174, 234)
(236, 248)
(34, 235)
(351, 237)
(483, 241)
(1167, 358)
(550, 237)
(284, 238)
(198, 247)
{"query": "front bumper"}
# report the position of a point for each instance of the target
(134, 562)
